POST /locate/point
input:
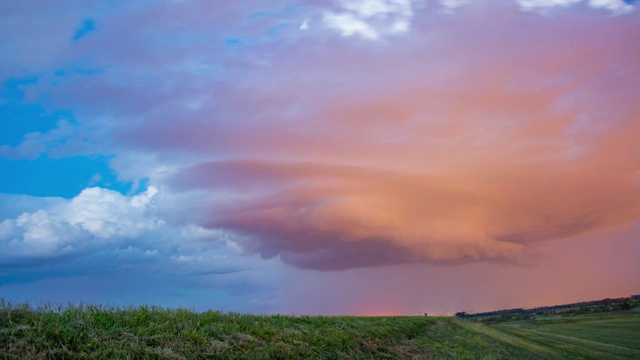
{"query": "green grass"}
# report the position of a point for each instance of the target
(598, 336)
(97, 332)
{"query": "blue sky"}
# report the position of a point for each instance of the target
(319, 156)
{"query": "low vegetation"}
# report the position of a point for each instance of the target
(97, 332)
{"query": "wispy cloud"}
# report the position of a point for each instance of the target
(615, 6)
(371, 18)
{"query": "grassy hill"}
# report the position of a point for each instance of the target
(88, 332)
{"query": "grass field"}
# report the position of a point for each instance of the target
(597, 336)
(87, 332)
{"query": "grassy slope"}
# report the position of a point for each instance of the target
(97, 332)
(155, 333)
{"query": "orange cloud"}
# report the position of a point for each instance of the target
(473, 148)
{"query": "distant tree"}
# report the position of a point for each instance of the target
(625, 305)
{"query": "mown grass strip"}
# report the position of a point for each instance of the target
(585, 337)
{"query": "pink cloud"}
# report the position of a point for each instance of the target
(468, 143)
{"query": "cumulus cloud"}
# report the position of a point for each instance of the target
(96, 214)
(108, 214)
(102, 233)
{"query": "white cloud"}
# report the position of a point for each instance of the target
(615, 6)
(371, 8)
(39, 230)
(349, 24)
(116, 228)
(371, 19)
(376, 19)
(37, 234)
(536, 4)
(103, 233)
(95, 214)
(106, 213)
(451, 5)
(304, 25)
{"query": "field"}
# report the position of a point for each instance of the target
(598, 336)
(85, 332)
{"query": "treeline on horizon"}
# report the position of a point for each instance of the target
(608, 304)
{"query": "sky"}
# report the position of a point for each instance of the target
(372, 157)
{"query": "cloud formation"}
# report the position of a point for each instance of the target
(101, 221)
(94, 216)
(119, 246)
(328, 135)
(489, 207)
(336, 156)
(436, 158)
